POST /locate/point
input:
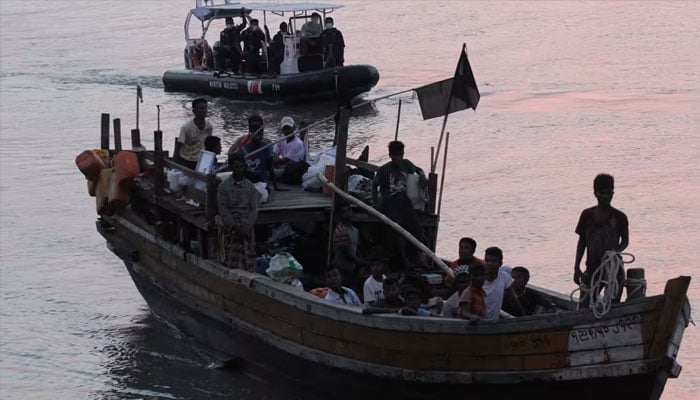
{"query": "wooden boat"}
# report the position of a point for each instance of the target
(337, 352)
(301, 78)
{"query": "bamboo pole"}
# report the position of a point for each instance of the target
(388, 222)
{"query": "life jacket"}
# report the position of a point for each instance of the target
(202, 57)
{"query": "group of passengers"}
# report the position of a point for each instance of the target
(325, 40)
(480, 289)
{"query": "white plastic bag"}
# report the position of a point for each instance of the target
(354, 181)
(284, 268)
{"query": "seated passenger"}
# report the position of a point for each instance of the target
(531, 302)
(450, 307)
(413, 301)
(255, 124)
(213, 144)
(192, 135)
(472, 304)
(391, 302)
(238, 207)
(258, 156)
(333, 45)
(498, 285)
(290, 150)
(467, 246)
(337, 293)
(373, 288)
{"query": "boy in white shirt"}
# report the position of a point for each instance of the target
(373, 288)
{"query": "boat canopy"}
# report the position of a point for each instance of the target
(206, 10)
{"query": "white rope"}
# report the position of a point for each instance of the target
(604, 279)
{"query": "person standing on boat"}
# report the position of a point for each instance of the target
(230, 39)
(253, 41)
(238, 208)
(498, 286)
(390, 183)
(599, 229)
(346, 243)
(312, 28)
(277, 49)
(333, 45)
(192, 135)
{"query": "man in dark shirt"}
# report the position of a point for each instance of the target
(333, 45)
(531, 301)
(391, 183)
(253, 40)
(600, 228)
(230, 39)
(277, 49)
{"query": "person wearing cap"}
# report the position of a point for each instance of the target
(230, 39)
(292, 148)
(450, 308)
(253, 40)
(333, 45)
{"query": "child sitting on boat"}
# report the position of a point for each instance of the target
(412, 298)
(373, 288)
(391, 302)
(450, 308)
(471, 303)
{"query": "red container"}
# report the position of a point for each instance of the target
(126, 168)
(329, 173)
(91, 162)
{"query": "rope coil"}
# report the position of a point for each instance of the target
(604, 284)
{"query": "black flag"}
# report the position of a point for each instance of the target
(450, 95)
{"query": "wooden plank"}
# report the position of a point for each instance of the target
(104, 131)
(117, 134)
(362, 165)
(672, 309)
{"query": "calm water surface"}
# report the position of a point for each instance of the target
(569, 89)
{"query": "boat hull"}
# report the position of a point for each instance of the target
(318, 381)
(317, 85)
(250, 317)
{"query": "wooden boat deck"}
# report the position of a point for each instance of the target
(295, 198)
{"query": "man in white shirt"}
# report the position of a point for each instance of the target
(291, 149)
(497, 285)
(192, 135)
(339, 294)
(373, 288)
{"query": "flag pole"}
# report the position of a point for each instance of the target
(398, 120)
(444, 120)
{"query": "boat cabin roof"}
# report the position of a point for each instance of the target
(206, 10)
